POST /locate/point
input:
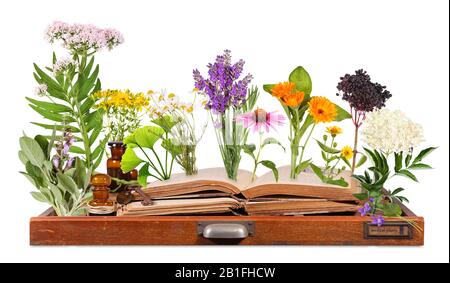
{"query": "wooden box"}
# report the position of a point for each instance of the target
(190, 230)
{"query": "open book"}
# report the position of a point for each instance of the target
(210, 191)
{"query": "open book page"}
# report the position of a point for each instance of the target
(307, 184)
(181, 206)
(210, 179)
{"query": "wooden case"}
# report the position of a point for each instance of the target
(187, 230)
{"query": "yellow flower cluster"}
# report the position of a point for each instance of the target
(121, 99)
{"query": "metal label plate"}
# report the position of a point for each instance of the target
(389, 230)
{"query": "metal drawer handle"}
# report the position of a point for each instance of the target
(225, 230)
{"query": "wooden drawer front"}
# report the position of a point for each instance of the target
(183, 230)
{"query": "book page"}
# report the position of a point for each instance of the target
(307, 178)
(209, 175)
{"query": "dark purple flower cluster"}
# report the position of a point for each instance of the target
(223, 87)
(362, 94)
(61, 160)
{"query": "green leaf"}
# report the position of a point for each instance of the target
(67, 183)
(360, 163)
(51, 106)
(57, 127)
(80, 176)
(327, 149)
(88, 85)
(130, 160)
(171, 147)
(340, 182)
(317, 171)
(36, 173)
(94, 135)
(148, 136)
(57, 117)
(341, 114)
(398, 161)
(47, 79)
(361, 196)
(249, 149)
(391, 210)
(268, 88)
(39, 197)
(397, 191)
(76, 149)
(94, 120)
(420, 166)
(44, 144)
(87, 105)
(32, 151)
(271, 140)
(23, 157)
(408, 159)
(269, 164)
(302, 80)
(407, 174)
(166, 123)
(302, 166)
(143, 175)
(423, 154)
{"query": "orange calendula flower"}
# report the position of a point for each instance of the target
(322, 109)
(334, 130)
(347, 152)
(287, 94)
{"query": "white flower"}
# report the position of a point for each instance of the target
(41, 90)
(62, 65)
(391, 131)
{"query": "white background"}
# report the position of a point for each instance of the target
(402, 44)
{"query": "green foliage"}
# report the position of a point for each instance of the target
(67, 192)
(71, 105)
(374, 178)
(250, 150)
(147, 141)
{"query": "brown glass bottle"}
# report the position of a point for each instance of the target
(113, 166)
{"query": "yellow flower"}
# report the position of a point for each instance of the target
(150, 92)
(347, 152)
(334, 130)
(322, 109)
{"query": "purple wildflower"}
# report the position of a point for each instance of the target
(55, 162)
(69, 163)
(371, 199)
(365, 209)
(223, 87)
(378, 220)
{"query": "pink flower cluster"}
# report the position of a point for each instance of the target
(81, 38)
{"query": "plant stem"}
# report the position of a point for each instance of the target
(306, 142)
(257, 157)
(355, 148)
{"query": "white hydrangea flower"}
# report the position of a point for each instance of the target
(391, 131)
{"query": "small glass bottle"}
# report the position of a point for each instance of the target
(114, 162)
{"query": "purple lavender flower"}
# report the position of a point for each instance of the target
(365, 209)
(223, 87)
(378, 220)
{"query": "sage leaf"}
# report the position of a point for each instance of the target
(32, 151)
